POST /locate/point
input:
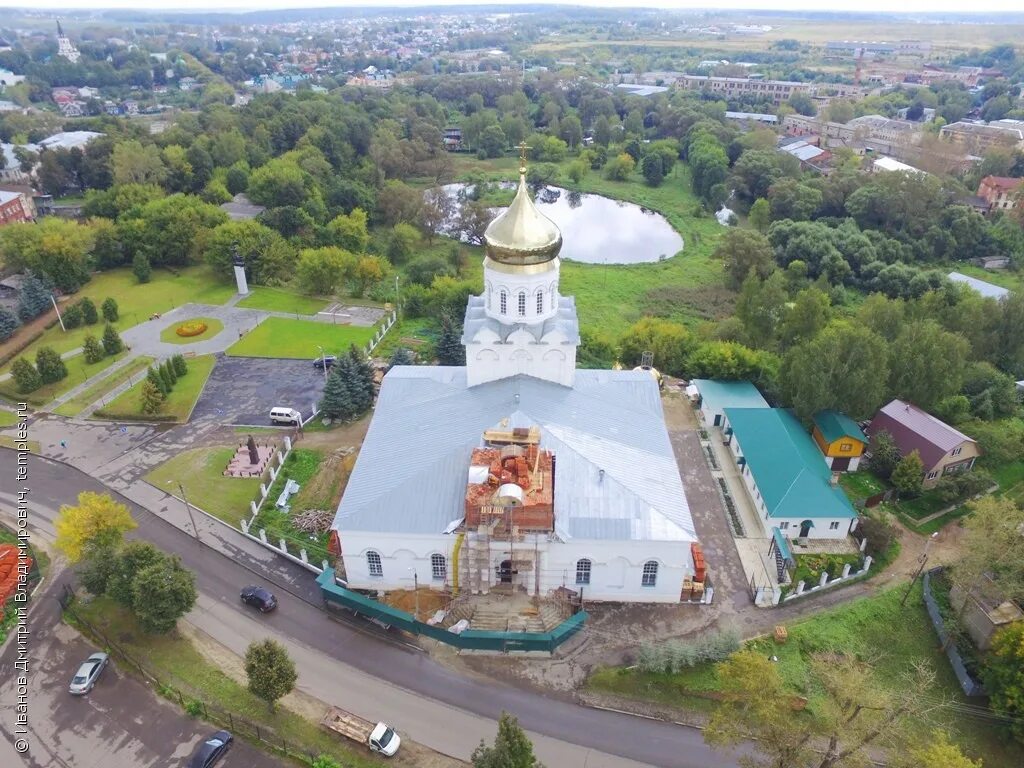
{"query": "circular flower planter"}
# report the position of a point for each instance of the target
(190, 329)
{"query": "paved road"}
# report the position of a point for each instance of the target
(432, 698)
(242, 390)
(121, 724)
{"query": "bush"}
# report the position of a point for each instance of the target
(179, 365)
(112, 343)
(89, 314)
(141, 268)
(72, 316)
(92, 350)
(962, 485)
(26, 377)
(670, 658)
(110, 310)
(186, 330)
(880, 535)
(50, 366)
(193, 708)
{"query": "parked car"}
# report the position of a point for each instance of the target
(259, 597)
(211, 750)
(87, 675)
(282, 415)
(325, 362)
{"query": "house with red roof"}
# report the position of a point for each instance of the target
(943, 449)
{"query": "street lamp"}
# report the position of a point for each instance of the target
(188, 508)
(396, 293)
(323, 361)
(416, 592)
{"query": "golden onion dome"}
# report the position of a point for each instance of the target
(521, 234)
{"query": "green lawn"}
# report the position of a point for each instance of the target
(78, 372)
(213, 327)
(200, 471)
(136, 302)
(279, 337)
(280, 300)
(417, 334)
(860, 485)
(873, 627)
(179, 402)
(83, 400)
(300, 466)
(178, 664)
(7, 418)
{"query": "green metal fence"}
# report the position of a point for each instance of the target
(470, 639)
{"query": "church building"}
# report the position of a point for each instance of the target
(519, 471)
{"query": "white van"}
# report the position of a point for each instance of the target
(285, 416)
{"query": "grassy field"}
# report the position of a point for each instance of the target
(278, 337)
(179, 402)
(7, 418)
(301, 466)
(170, 335)
(200, 471)
(686, 288)
(875, 627)
(136, 302)
(279, 300)
(83, 400)
(78, 372)
(176, 661)
(417, 334)
(9, 442)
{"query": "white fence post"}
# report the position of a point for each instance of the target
(302, 556)
(273, 473)
(287, 443)
(824, 579)
(863, 544)
(245, 524)
(800, 587)
(846, 571)
(867, 562)
(280, 459)
(252, 506)
(263, 490)
(284, 546)
(263, 535)
(325, 565)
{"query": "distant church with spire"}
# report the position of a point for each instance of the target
(65, 47)
(518, 471)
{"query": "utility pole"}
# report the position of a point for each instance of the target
(416, 593)
(323, 361)
(920, 567)
(61, 319)
(188, 508)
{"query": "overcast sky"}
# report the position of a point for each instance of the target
(903, 6)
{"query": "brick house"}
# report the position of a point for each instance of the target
(1000, 192)
(12, 208)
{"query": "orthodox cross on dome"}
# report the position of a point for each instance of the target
(522, 156)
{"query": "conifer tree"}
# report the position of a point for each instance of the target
(51, 368)
(34, 298)
(165, 378)
(92, 350)
(112, 343)
(361, 379)
(89, 314)
(152, 397)
(180, 366)
(336, 402)
(110, 310)
(170, 372)
(153, 376)
(449, 346)
(26, 377)
(8, 323)
(401, 356)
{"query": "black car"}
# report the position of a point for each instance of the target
(211, 750)
(325, 362)
(258, 597)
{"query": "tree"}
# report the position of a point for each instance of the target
(761, 306)
(268, 257)
(152, 397)
(909, 474)
(153, 377)
(26, 377)
(402, 242)
(97, 520)
(449, 344)
(141, 268)
(270, 670)
(805, 316)
(437, 211)
(128, 561)
(844, 367)
(731, 361)
(180, 366)
(885, 455)
(512, 748)
(803, 104)
(96, 567)
(619, 167)
(54, 248)
(171, 230)
(671, 343)
(336, 402)
(397, 202)
(493, 141)
(171, 375)
(72, 316)
(425, 269)
(8, 324)
(937, 752)
(165, 378)
(401, 356)
(92, 350)
(34, 298)
(50, 365)
(368, 271)
(652, 170)
(1004, 676)
(112, 343)
(930, 363)
(110, 310)
(161, 594)
(760, 215)
(349, 231)
(89, 314)
(743, 252)
(992, 547)
(321, 270)
(133, 163)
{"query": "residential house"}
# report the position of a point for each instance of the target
(714, 396)
(979, 138)
(12, 208)
(840, 439)
(943, 449)
(986, 289)
(452, 138)
(27, 196)
(888, 164)
(791, 486)
(1002, 193)
(987, 611)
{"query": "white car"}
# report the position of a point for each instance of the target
(87, 675)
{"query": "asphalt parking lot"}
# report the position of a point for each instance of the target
(121, 723)
(242, 390)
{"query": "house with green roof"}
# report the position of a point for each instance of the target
(840, 439)
(790, 484)
(714, 396)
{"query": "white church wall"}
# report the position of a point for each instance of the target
(493, 361)
(543, 281)
(400, 554)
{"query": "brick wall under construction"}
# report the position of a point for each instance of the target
(529, 468)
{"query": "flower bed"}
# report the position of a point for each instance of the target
(187, 330)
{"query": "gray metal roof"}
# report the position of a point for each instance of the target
(564, 320)
(985, 288)
(412, 470)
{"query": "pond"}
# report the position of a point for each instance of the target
(599, 230)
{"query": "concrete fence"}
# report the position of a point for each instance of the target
(824, 582)
(970, 686)
(276, 463)
(378, 335)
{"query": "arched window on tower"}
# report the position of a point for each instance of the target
(521, 304)
(503, 302)
(540, 302)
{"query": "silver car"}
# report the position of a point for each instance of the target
(87, 675)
